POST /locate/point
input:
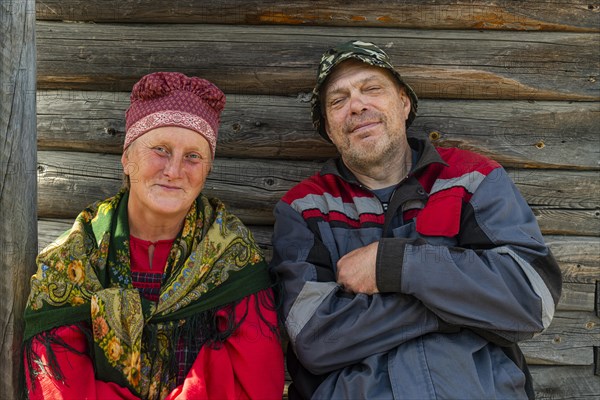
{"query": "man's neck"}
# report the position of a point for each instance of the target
(385, 174)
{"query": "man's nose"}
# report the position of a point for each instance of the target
(358, 103)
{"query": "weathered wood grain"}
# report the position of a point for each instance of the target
(519, 134)
(541, 189)
(579, 257)
(568, 222)
(252, 187)
(283, 59)
(50, 229)
(18, 233)
(572, 383)
(578, 15)
(578, 296)
(569, 340)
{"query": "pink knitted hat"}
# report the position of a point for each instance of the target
(174, 99)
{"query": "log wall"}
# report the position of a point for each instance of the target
(518, 82)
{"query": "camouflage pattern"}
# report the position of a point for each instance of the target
(362, 51)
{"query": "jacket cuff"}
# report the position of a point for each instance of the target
(388, 266)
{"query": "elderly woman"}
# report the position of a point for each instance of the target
(158, 292)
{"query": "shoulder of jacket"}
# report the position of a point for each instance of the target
(461, 162)
(320, 185)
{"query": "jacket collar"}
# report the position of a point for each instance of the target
(426, 155)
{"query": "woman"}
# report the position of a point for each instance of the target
(158, 292)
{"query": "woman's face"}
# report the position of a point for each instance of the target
(167, 168)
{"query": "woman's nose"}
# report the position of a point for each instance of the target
(173, 168)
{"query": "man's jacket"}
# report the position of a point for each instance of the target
(463, 275)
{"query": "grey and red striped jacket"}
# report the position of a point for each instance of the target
(462, 270)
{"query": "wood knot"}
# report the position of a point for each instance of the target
(540, 144)
(434, 135)
(236, 127)
(556, 339)
(590, 325)
(269, 181)
(110, 131)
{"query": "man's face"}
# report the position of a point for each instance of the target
(365, 114)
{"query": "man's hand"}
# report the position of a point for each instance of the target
(356, 270)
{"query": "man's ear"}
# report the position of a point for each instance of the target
(406, 103)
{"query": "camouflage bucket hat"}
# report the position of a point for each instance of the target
(362, 51)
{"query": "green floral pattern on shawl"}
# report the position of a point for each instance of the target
(85, 276)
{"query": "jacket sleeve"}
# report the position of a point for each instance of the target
(499, 280)
(77, 370)
(328, 328)
(249, 365)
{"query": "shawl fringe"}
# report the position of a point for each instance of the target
(48, 339)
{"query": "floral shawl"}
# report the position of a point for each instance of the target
(84, 278)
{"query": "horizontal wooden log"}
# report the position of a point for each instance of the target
(569, 340)
(517, 134)
(540, 188)
(573, 383)
(576, 15)
(579, 257)
(283, 59)
(579, 296)
(252, 187)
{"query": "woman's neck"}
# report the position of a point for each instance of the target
(149, 227)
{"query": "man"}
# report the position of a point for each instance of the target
(409, 272)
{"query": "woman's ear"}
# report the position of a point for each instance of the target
(125, 162)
